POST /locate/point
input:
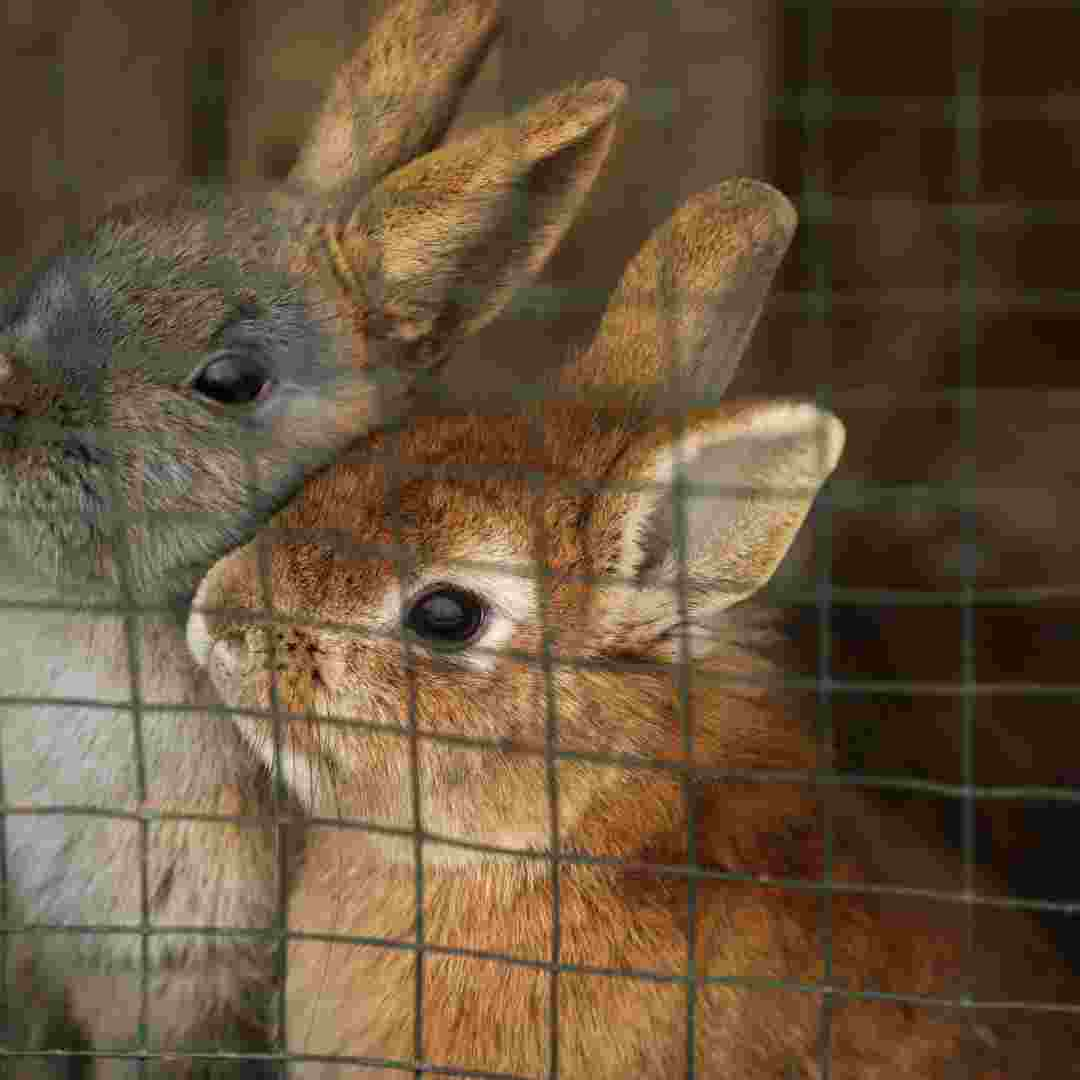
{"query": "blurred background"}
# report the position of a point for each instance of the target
(931, 299)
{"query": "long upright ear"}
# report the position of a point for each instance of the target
(436, 249)
(709, 509)
(395, 98)
(687, 303)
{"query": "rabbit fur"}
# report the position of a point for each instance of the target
(494, 640)
(167, 381)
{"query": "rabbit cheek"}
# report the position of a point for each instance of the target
(57, 511)
(224, 665)
(199, 639)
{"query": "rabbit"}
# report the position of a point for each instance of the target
(528, 708)
(167, 381)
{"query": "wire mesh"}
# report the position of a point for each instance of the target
(822, 306)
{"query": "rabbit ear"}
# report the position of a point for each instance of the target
(395, 98)
(724, 497)
(688, 302)
(437, 249)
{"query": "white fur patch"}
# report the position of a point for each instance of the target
(198, 633)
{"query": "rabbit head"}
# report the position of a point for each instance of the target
(171, 375)
(477, 589)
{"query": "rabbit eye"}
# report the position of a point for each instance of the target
(234, 378)
(447, 616)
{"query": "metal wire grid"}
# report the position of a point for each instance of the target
(815, 104)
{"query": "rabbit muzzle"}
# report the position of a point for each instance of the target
(220, 654)
(21, 397)
(11, 407)
(237, 650)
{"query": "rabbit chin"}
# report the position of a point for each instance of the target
(324, 767)
(377, 803)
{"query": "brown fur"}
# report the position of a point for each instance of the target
(357, 1000)
(647, 751)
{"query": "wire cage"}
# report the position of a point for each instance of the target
(926, 604)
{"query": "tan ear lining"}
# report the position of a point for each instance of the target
(753, 471)
(773, 458)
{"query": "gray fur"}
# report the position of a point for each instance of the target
(101, 506)
(121, 484)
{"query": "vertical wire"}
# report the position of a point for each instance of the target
(67, 187)
(667, 304)
(209, 139)
(666, 321)
(683, 676)
(551, 739)
(208, 144)
(7, 1065)
(7, 1068)
(542, 578)
(122, 517)
(419, 938)
(279, 817)
(817, 206)
(67, 192)
(968, 43)
(208, 158)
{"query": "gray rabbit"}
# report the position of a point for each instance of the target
(167, 381)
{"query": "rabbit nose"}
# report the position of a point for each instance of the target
(12, 407)
(23, 392)
(11, 398)
(295, 645)
(208, 638)
(20, 395)
(225, 654)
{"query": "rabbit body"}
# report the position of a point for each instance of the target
(167, 381)
(102, 422)
(477, 635)
(616, 689)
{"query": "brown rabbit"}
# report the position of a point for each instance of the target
(476, 637)
(167, 381)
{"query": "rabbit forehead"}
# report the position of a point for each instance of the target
(162, 278)
(465, 495)
(180, 272)
(450, 487)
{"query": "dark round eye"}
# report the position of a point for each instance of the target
(234, 378)
(446, 615)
